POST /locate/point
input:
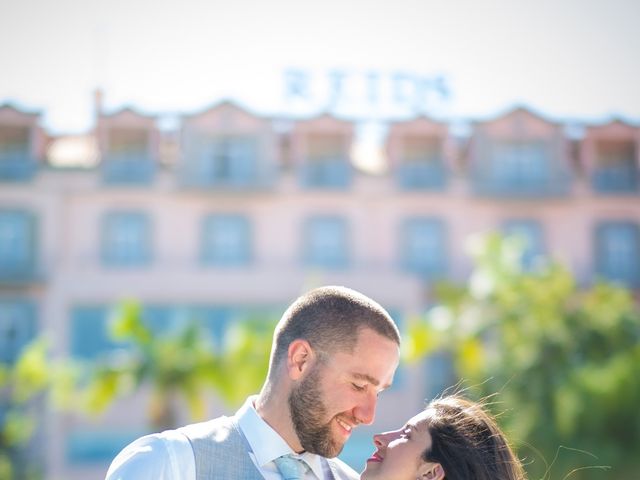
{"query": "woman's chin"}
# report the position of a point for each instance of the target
(369, 472)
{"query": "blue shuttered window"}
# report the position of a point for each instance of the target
(126, 239)
(617, 169)
(17, 244)
(529, 232)
(422, 164)
(17, 327)
(618, 252)
(325, 242)
(128, 160)
(16, 162)
(519, 168)
(226, 240)
(227, 161)
(423, 247)
(327, 164)
(524, 165)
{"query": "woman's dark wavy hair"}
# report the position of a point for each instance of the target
(467, 442)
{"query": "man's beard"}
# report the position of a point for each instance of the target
(308, 413)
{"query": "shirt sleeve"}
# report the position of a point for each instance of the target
(161, 456)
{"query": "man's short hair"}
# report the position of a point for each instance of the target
(330, 319)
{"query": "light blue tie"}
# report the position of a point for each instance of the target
(290, 468)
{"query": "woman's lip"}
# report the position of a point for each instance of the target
(375, 458)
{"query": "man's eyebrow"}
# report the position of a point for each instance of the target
(372, 380)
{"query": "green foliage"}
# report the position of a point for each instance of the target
(565, 360)
(182, 363)
(23, 384)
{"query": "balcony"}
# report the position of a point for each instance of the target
(213, 175)
(128, 169)
(17, 168)
(225, 164)
(18, 273)
(429, 175)
(521, 169)
(520, 187)
(619, 179)
(334, 173)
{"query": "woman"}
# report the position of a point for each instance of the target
(452, 438)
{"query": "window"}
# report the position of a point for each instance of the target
(126, 239)
(325, 244)
(127, 160)
(17, 244)
(521, 164)
(421, 165)
(530, 233)
(230, 161)
(89, 336)
(15, 157)
(423, 247)
(226, 240)
(90, 327)
(618, 252)
(616, 167)
(327, 163)
(17, 328)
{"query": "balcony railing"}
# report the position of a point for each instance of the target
(330, 174)
(422, 176)
(618, 179)
(17, 168)
(238, 174)
(128, 170)
(14, 273)
(521, 186)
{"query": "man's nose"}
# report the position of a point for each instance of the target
(365, 412)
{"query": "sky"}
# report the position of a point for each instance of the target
(568, 59)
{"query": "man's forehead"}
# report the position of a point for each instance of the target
(369, 340)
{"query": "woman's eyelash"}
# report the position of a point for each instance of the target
(358, 387)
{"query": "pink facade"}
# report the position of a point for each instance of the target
(235, 211)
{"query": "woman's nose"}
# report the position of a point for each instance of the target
(383, 439)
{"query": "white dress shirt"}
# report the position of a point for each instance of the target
(169, 456)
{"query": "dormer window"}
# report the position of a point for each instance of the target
(127, 158)
(421, 164)
(616, 169)
(15, 156)
(327, 162)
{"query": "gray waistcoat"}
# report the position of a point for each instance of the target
(222, 452)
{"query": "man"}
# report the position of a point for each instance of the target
(334, 350)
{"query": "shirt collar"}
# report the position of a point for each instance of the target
(266, 443)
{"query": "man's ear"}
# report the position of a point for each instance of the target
(299, 356)
(430, 471)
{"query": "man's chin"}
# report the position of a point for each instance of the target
(329, 451)
(338, 442)
(335, 451)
